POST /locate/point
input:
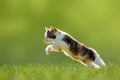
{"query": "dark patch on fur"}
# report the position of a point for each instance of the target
(78, 48)
(60, 49)
(74, 46)
(51, 34)
(88, 52)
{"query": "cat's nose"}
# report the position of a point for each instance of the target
(45, 39)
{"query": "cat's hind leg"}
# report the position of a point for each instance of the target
(90, 64)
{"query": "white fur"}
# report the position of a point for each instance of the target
(99, 61)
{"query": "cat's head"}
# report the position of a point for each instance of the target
(51, 34)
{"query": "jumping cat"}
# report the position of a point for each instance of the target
(62, 41)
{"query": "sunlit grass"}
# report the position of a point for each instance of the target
(61, 71)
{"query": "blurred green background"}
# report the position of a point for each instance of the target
(95, 23)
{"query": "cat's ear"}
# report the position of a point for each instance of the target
(46, 28)
(53, 28)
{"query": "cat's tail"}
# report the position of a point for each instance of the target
(99, 61)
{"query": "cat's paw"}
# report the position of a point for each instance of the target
(48, 49)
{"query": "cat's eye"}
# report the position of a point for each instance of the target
(51, 36)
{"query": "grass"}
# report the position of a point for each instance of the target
(61, 71)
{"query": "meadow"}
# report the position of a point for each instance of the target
(61, 71)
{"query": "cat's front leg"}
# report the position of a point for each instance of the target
(50, 48)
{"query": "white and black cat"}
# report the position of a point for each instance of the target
(62, 41)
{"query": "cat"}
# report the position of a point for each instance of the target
(59, 40)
